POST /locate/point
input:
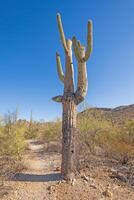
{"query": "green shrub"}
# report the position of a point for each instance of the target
(50, 131)
(90, 127)
(31, 131)
(12, 143)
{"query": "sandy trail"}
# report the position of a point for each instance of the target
(39, 175)
(38, 181)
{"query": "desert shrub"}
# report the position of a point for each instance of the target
(118, 142)
(95, 132)
(12, 144)
(32, 128)
(31, 131)
(126, 141)
(115, 146)
(89, 127)
(50, 131)
(127, 132)
(50, 134)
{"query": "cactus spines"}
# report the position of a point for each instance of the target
(71, 98)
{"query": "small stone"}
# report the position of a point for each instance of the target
(132, 181)
(93, 186)
(107, 193)
(73, 181)
(113, 171)
(85, 178)
(49, 188)
(124, 168)
(91, 179)
(58, 169)
(59, 182)
(3, 193)
(85, 182)
(122, 177)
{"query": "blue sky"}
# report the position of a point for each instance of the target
(29, 39)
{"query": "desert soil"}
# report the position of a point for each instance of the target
(34, 182)
(41, 180)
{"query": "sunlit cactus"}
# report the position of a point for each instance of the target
(71, 98)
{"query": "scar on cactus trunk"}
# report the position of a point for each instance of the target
(71, 97)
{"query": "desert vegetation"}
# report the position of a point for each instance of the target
(101, 135)
(98, 135)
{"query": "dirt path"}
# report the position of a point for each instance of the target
(35, 181)
(40, 180)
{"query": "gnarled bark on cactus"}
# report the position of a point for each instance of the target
(68, 138)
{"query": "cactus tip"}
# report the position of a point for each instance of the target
(58, 14)
(74, 39)
(90, 23)
(57, 54)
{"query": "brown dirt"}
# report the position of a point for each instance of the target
(39, 174)
(41, 180)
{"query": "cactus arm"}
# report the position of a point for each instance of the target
(89, 41)
(76, 48)
(82, 56)
(59, 67)
(61, 31)
(58, 99)
(69, 70)
(82, 85)
(77, 45)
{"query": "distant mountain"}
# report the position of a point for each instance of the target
(118, 114)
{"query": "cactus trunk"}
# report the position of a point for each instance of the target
(68, 139)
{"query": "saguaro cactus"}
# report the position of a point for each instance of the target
(71, 98)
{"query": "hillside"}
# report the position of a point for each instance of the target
(117, 114)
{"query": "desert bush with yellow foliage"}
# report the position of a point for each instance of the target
(116, 141)
(50, 131)
(12, 144)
